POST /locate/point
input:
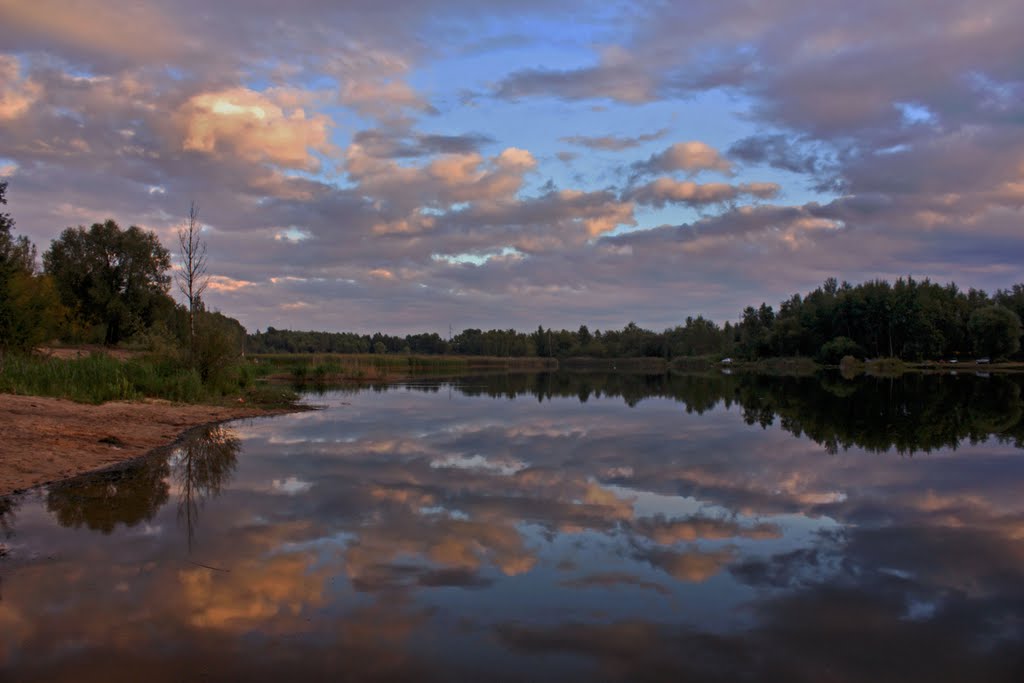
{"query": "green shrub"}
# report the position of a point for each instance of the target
(833, 351)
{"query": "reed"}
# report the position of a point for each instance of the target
(99, 377)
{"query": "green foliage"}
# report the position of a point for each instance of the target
(111, 277)
(835, 350)
(995, 331)
(218, 346)
(99, 378)
(29, 310)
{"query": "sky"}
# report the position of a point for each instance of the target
(406, 165)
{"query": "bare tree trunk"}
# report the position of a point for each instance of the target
(192, 277)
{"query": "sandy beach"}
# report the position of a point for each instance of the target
(47, 439)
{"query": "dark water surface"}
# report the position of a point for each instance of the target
(545, 528)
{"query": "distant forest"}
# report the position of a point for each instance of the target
(912, 320)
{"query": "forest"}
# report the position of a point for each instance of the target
(910, 319)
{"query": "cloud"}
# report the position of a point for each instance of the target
(618, 76)
(255, 127)
(668, 191)
(691, 157)
(888, 171)
(17, 94)
(382, 99)
(779, 151)
(614, 143)
(399, 144)
(220, 283)
(145, 31)
(445, 180)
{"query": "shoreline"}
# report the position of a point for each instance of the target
(46, 440)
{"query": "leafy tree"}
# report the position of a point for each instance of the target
(218, 343)
(995, 331)
(116, 279)
(833, 351)
(16, 253)
(30, 311)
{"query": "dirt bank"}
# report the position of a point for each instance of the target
(46, 439)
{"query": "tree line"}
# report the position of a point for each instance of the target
(910, 319)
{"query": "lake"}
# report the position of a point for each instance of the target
(547, 527)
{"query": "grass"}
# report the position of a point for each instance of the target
(99, 377)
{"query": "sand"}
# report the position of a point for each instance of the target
(47, 439)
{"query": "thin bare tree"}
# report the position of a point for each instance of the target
(192, 278)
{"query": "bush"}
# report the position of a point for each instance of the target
(217, 349)
(832, 352)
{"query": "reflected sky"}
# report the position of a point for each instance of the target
(470, 531)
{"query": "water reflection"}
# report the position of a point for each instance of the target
(102, 501)
(203, 465)
(915, 413)
(198, 467)
(555, 534)
(7, 507)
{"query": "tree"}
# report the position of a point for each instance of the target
(113, 278)
(995, 331)
(192, 279)
(16, 254)
(835, 350)
(29, 309)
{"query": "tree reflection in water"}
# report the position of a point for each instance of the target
(203, 465)
(910, 414)
(7, 507)
(131, 495)
(100, 501)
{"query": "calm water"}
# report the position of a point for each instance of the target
(545, 528)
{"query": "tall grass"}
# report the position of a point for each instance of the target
(99, 377)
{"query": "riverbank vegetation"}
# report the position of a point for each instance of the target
(910, 320)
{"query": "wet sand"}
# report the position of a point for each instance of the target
(46, 439)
